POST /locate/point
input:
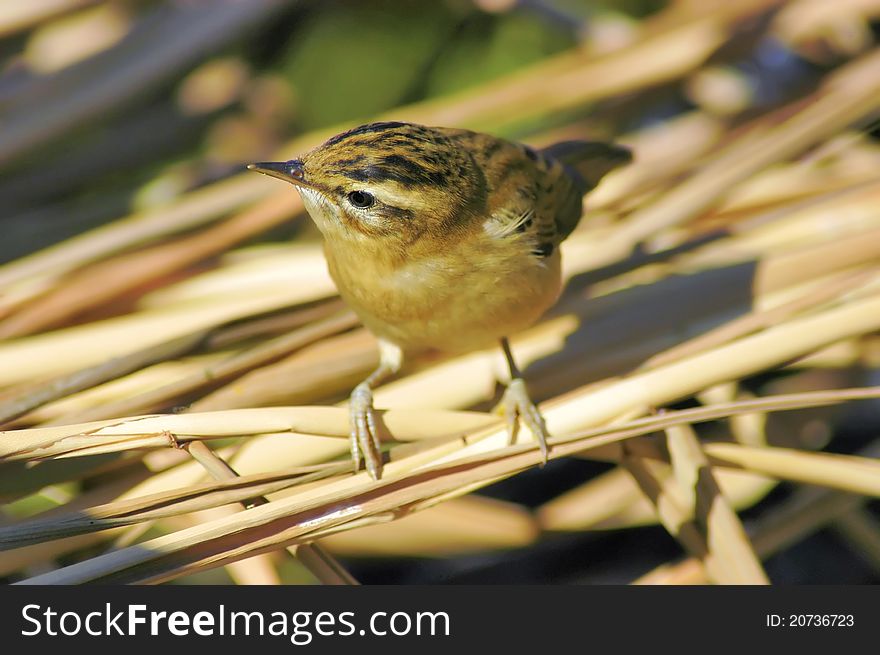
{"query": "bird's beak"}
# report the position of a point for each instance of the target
(289, 171)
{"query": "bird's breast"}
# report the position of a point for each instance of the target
(460, 299)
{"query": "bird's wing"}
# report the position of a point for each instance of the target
(537, 193)
(534, 208)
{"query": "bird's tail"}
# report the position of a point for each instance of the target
(590, 160)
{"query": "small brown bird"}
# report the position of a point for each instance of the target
(443, 238)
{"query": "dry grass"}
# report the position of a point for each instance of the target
(736, 245)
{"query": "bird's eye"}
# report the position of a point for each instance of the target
(361, 199)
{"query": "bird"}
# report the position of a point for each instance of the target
(443, 239)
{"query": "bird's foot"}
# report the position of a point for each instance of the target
(365, 431)
(516, 404)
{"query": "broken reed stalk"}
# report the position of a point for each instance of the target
(807, 511)
(729, 551)
(315, 512)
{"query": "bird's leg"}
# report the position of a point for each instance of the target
(364, 428)
(516, 404)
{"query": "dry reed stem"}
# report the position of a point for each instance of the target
(75, 407)
(460, 525)
(329, 367)
(111, 279)
(746, 429)
(749, 323)
(64, 522)
(625, 506)
(862, 532)
(113, 435)
(256, 527)
(858, 475)
(53, 353)
(803, 515)
(260, 356)
(726, 542)
(310, 514)
(808, 510)
(847, 96)
(674, 512)
(196, 208)
(318, 561)
(90, 377)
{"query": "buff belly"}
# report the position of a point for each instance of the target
(453, 312)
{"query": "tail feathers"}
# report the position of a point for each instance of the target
(590, 160)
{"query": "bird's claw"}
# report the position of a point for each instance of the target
(516, 404)
(365, 432)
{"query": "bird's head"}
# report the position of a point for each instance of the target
(389, 185)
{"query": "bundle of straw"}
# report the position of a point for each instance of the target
(172, 392)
